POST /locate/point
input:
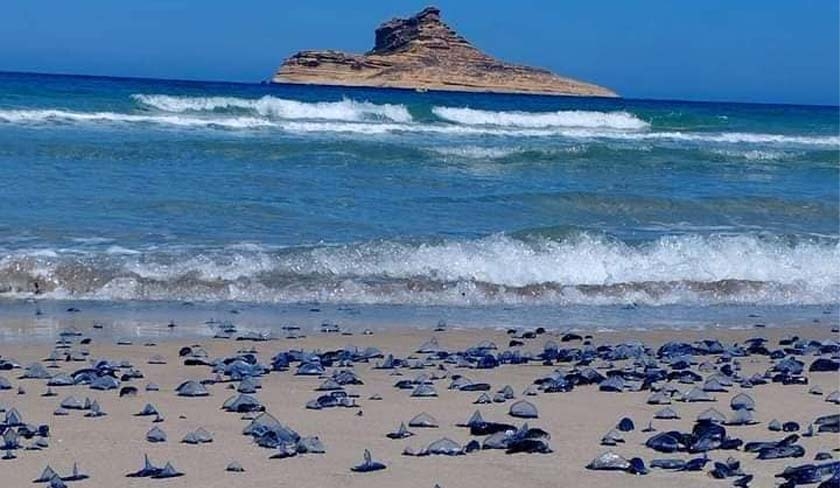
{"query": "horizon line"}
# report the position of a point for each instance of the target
(267, 82)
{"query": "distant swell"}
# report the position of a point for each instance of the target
(582, 269)
(65, 116)
(541, 120)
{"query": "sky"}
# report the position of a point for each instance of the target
(782, 51)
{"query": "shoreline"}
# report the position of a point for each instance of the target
(28, 320)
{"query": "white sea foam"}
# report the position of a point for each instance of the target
(117, 250)
(536, 120)
(495, 152)
(687, 269)
(279, 108)
(585, 261)
(757, 154)
(476, 152)
(92, 240)
(741, 137)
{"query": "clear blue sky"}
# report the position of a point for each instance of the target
(746, 50)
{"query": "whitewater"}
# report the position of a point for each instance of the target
(583, 269)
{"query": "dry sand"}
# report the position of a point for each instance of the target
(109, 447)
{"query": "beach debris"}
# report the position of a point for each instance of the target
(284, 450)
(310, 369)
(401, 433)
(128, 391)
(46, 475)
(523, 409)
(444, 447)
(698, 395)
(474, 419)
(612, 384)
(669, 464)
(331, 400)
(56, 482)
(666, 413)
(525, 439)
(149, 470)
(423, 419)
(168, 471)
(612, 438)
(242, 403)
(784, 448)
(36, 371)
(610, 461)
(486, 428)
(198, 436)
(824, 365)
(310, 445)
(72, 403)
(146, 471)
(156, 434)
(94, 410)
(659, 398)
(483, 399)
(192, 388)
(147, 410)
(268, 432)
(429, 347)
(828, 423)
(742, 417)
(712, 415)
(61, 379)
(368, 464)
(742, 401)
(811, 473)
(424, 391)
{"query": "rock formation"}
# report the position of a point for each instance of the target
(423, 53)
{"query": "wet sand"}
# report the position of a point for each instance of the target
(109, 447)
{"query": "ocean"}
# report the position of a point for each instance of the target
(301, 203)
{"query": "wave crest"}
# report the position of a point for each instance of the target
(279, 108)
(541, 120)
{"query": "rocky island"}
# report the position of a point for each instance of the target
(423, 53)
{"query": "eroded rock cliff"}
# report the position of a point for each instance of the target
(422, 52)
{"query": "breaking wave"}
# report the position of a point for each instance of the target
(279, 108)
(540, 120)
(499, 269)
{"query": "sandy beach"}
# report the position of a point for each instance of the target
(109, 447)
(468, 245)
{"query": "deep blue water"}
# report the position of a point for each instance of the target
(136, 190)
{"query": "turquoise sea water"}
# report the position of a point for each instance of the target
(149, 192)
